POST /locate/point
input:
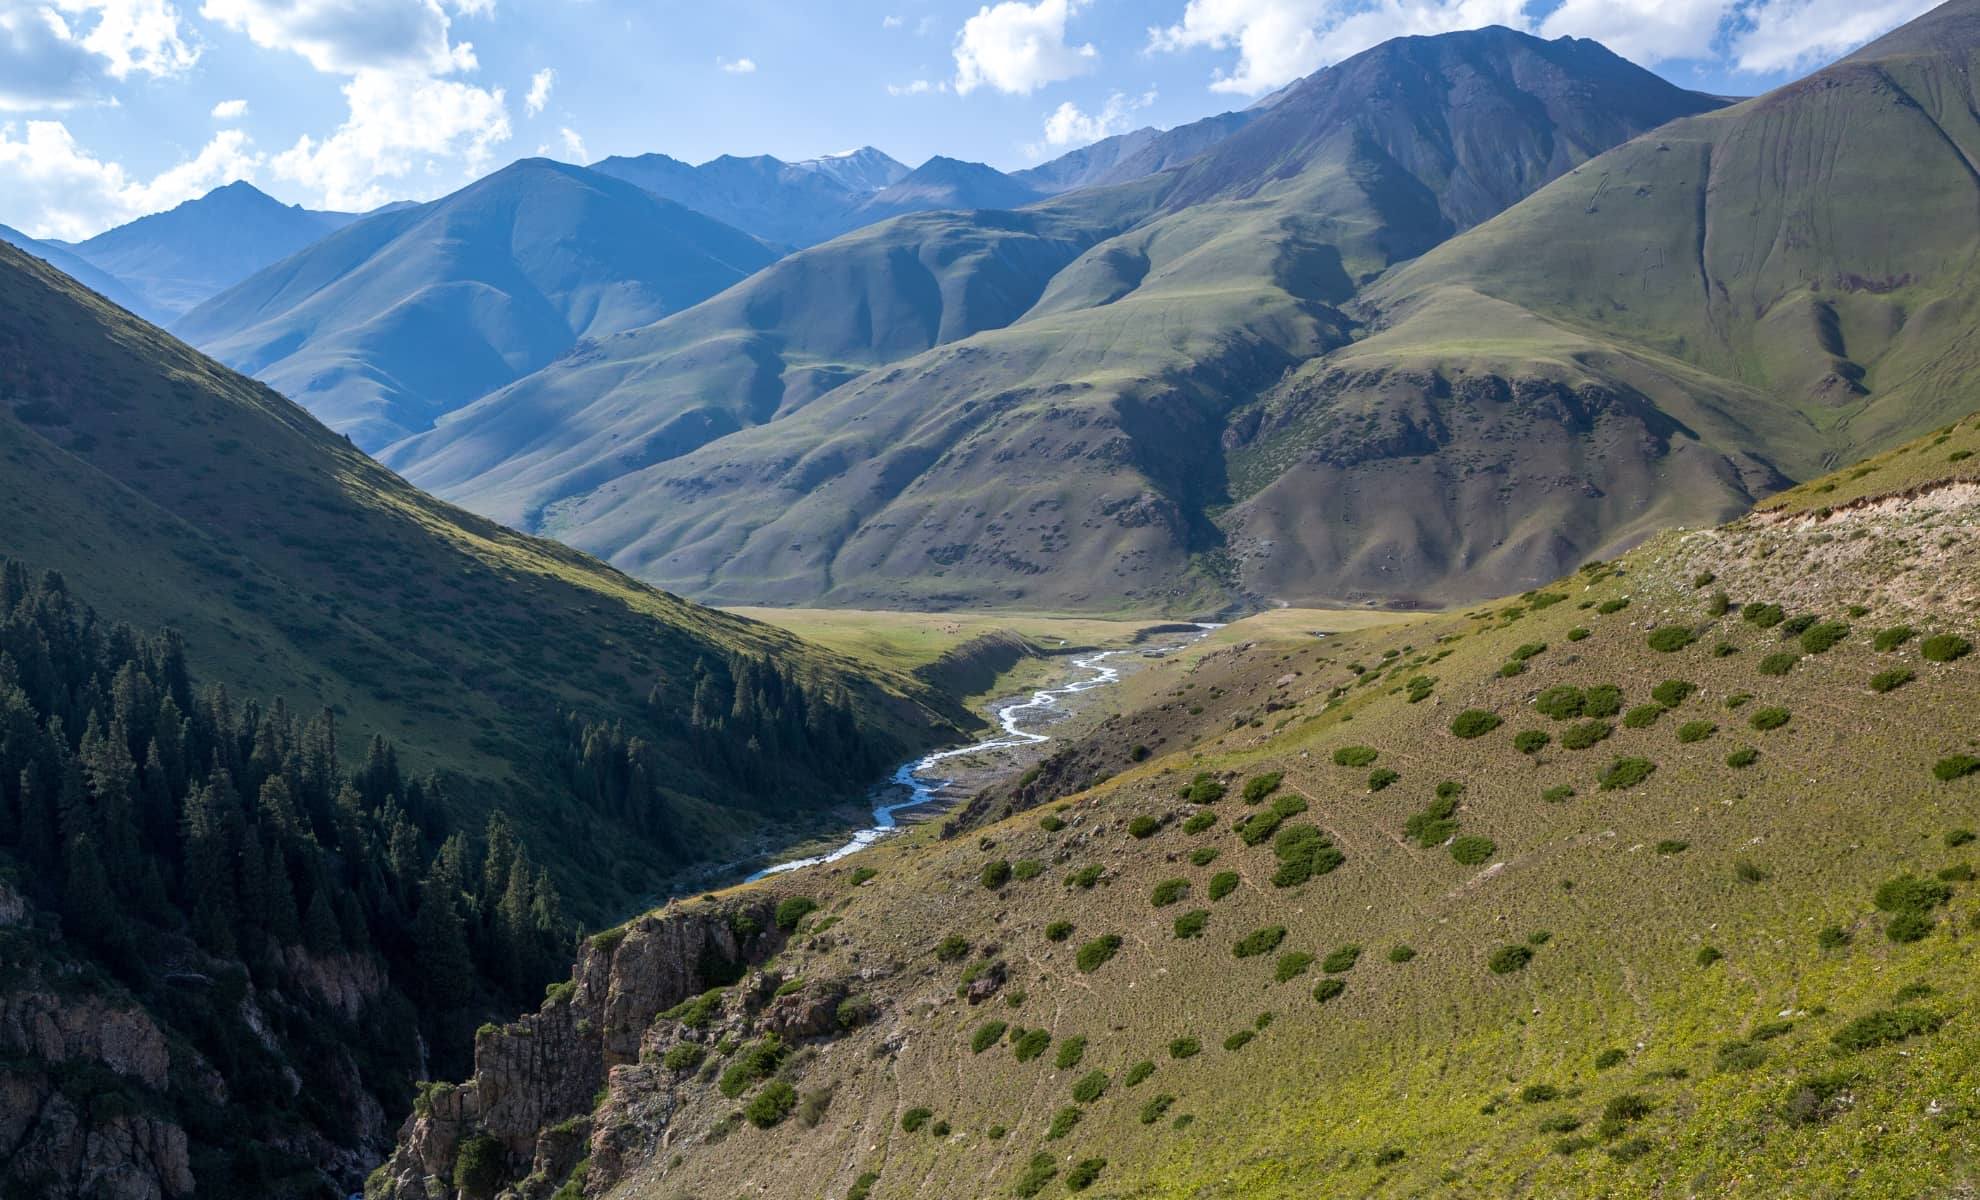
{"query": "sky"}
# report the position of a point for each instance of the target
(111, 109)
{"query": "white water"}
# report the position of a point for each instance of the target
(922, 787)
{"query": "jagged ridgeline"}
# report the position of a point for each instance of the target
(1660, 876)
(224, 953)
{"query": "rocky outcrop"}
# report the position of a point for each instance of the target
(537, 1080)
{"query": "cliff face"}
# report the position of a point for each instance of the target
(524, 1120)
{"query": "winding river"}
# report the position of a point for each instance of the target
(922, 784)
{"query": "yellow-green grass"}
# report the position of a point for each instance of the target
(904, 641)
(1945, 455)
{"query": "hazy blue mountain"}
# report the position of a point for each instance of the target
(174, 260)
(944, 184)
(65, 260)
(1132, 155)
(863, 170)
(401, 317)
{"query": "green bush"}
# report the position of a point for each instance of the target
(1560, 1123)
(1627, 1108)
(863, 874)
(1718, 605)
(1059, 931)
(1169, 891)
(1474, 722)
(1381, 777)
(1747, 871)
(914, 1119)
(1832, 937)
(1539, 1093)
(1085, 877)
(1955, 838)
(1435, 824)
(1733, 1057)
(1292, 965)
(1091, 1087)
(1341, 960)
(1258, 787)
(1509, 958)
(771, 1105)
(1185, 1047)
(1204, 789)
(1050, 823)
(1304, 853)
(1144, 826)
(1030, 1044)
(1765, 616)
(1908, 927)
(1531, 741)
(1137, 1073)
(1944, 647)
(1612, 1057)
(1885, 1026)
(793, 909)
(1707, 955)
(1955, 766)
(1561, 702)
(1610, 607)
(1909, 893)
(1583, 734)
(1043, 1169)
(1474, 850)
(1745, 756)
(1795, 626)
(1327, 989)
(683, 1057)
(1890, 639)
(1576, 634)
(1511, 669)
(1672, 692)
(1259, 941)
(1203, 856)
(1891, 680)
(1191, 923)
(855, 1011)
(1779, 664)
(1355, 756)
(1642, 716)
(1821, 638)
(1669, 639)
(1199, 822)
(754, 1062)
(1222, 884)
(1626, 773)
(953, 948)
(1239, 1040)
(478, 1166)
(987, 1035)
(1083, 1173)
(1156, 1108)
(995, 874)
(1401, 952)
(1529, 650)
(1602, 700)
(1672, 846)
(1696, 731)
(862, 1187)
(1094, 954)
(1558, 794)
(1771, 717)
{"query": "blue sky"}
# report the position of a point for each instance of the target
(113, 108)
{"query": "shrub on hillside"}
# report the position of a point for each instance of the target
(1955, 766)
(1091, 1087)
(1766, 616)
(1669, 639)
(1258, 787)
(1203, 856)
(1944, 647)
(953, 948)
(995, 874)
(1779, 664)
(1531, 741)
(1204, 789)
(1583, 734)
(1642, 716)
(1672, 846)
(1745, 756)
(1474, 722)
(1083, 1173)
(1707, 955)
(1355, 756)
(1910, 893)
(753, 1063)
(1820, 638)
(1955, 838)
(1509, 958)
(1050, 823)
(1610, 607)
(1672, 692)
(1341, 959)
(1191, 923)
(1696, 731)
(1259, 941)
(1885, 1026)
(1094, 954)
(1381, 777)
(1832, 937)
(1304, 853)
(1027, 868)
(1528, 650)
(1144, 826)
(1085, 877)
(1239, 1040)
(1169, 891)
(1222, 884)
(1059, 931)
(1029, 1044)
(1436, 823)
(1474, 850)
(1602, 700)
(1577, 634)
(1558, 794)
(791, 910)
(1612, 1057)
(1062, 1123)
(1891, 680)
(1539, 1093)
(1137, 1073)
(1199, 822)
(1795, 626)
(1401, 952)
(1746, 870)
(1626, 773)
(1327, 989)
(1771, 717)
(1156, 1108)
(987, 1035)
(1890, 639)
(1042, 1170)
(771, 1105)
(1185, 1047)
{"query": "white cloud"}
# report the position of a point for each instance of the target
(1069, 126)
(738, 66)
(918, 87)
(1644, 31)
(1018, 48)
(539, 91)
(134, 36)
(1279, 41)
(1785, 35)
(890, 22)
(73, 194)
(573, 144)
(230, 110)
(58, 55)
(344, 37)
(400, 133)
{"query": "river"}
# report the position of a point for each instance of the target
(918, 777)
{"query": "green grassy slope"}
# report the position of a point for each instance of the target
(175, 492)
(1705, 979)
(1680, 326)
(1054, 455)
